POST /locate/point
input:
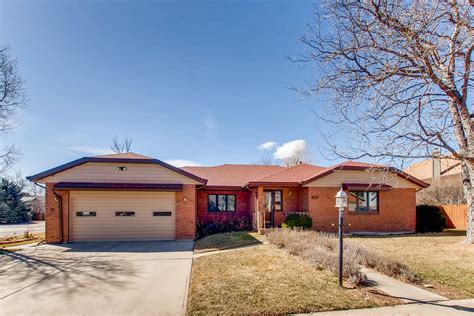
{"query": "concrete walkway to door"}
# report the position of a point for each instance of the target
(107, 278)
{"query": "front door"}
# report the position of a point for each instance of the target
(272, 203)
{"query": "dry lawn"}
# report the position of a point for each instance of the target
(33, 238)
(267, 280)
(441, 259)
(321, 250)
(225, 241)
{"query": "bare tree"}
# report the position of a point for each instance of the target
(302, 156)
(121, 146)
(398, 76)
(446, 191)
(266, 161)
(12, 97)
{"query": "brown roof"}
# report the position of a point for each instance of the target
(128, 155)
(233, 174)
(295, 174)
(230, 175)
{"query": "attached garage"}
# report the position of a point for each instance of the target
(122, 216)
(119, 197)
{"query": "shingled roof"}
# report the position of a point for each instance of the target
(233, 174)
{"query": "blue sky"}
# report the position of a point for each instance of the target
(204, 81)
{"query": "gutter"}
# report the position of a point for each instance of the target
(60, 211)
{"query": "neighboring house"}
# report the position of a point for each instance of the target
(36, 205)
(435, 168)
(134, 197)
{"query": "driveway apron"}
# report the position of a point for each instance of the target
(110, 278)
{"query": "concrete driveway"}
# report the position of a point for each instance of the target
(112, 278)
(7, 230)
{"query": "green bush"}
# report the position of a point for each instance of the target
(12, 209)
(298, 221)
(429, 219)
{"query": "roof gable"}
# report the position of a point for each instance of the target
(360, 166)
(129, 158)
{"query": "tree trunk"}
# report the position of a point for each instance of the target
(467, 180)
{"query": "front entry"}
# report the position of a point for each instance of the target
(272, 203)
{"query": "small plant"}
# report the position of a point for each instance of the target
(28, 235)
(301, 221)
(429, 219)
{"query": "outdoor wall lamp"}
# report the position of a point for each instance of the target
(185, 199)
(341, 203)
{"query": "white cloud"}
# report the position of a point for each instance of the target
(267, 146)
(88, 150)
(290, 149)
(182, 163)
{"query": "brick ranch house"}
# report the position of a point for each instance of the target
(134, 197)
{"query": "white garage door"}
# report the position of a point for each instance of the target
(122, 216)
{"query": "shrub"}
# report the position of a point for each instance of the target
(224, 224)
(298, 221)
(321, 250)
(429, 219)
(12, 208)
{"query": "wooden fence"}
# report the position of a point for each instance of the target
(456, 216)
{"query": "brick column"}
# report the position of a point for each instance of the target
(261, 210)
(52, 220)
(186, 212)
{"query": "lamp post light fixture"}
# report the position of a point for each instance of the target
(341, 203)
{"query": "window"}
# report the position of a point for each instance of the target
(363, 201)
(277, 200)
(221, 203)
(161, 213)
(124, 214)
(85, 214)
(273, 200)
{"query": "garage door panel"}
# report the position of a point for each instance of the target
(107, 226)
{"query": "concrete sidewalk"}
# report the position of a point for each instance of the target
(406, 292)
(458, 307)
(420, 302)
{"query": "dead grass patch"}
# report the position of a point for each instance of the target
(321, 250)
(440, 259)
(225, 241)
(31, 238)
(267, 280)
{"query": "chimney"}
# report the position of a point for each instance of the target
(436, 164)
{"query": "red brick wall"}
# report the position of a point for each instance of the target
(52, 219)
(397, 212)
(186, 212)
(242, 206)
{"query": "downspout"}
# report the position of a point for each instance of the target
(60, 211)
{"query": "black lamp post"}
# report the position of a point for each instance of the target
(341, 203)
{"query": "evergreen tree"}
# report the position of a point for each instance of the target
(12, 208)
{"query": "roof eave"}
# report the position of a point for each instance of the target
(273, 184)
